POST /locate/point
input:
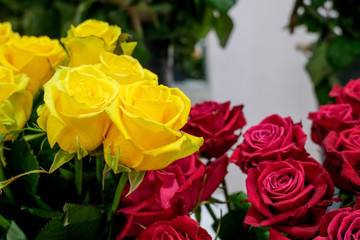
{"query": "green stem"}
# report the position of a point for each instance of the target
(119, 189)
(78, 176)
(99, 175)
(212, 214)
(226, 194)
(122, 182)
(4, 223)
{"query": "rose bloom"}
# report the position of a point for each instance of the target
(289, 196)
(217, 124)
(144, 134)
(340, 224)
(124, 69)
(171, 192)
(179, 228)
(342, 152)
(37, 57)
(6, 32)
(350, 93)
(88, 40)
(275, 138)
(15, 100)
(74, 111)
(330, 117)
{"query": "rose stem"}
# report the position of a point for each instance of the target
(226, 194)
(212, 214)
(78, 176)
(99, 160)
(119, 189)
(4, 223)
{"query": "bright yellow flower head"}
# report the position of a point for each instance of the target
(144, 134)
(37, 57)
(75, 103)
(6, 32)
(124, 69)
(15, 101)
(100, 29)
(85, 42)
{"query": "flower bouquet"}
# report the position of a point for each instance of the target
(82, 124)
(92, 147)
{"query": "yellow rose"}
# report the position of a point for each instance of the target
(124, 69)
(6, 32)
(74, 111)
(35, 56)
(144, 134)
(15, 101)
(85, 42)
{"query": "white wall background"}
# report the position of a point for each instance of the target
(261, 68)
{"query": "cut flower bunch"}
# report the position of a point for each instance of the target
(80, 122)
(92, 147)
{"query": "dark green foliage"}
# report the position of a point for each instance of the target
(232, 224)
(181, 22)
(334, 57)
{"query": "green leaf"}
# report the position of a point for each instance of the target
(53, 230)
(4, 223)
(38, 22)
(15, 233)
(261, 233)
(77, 222)
(43, 213)
(318, 66)
(206, 24)
(214, 200)
(60, 159)
(29, 168)
(322, 92)
(82, 10)
(135, 179)
(3, 136)
(82, 221)
(232, 227)
(223, 6)
(342, 52)
(198, 214)
(317, 3)
(239, 201)
(312, 24)
(223, 28)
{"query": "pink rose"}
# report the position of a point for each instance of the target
(170, 192)
(342, 152)
(275, 138)
(340, 224)
(350, 93)
(289, 196)
(336, 117)
(217, 124)
(179, 228)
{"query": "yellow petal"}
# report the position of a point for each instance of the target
(84, 50)
(163, 156)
